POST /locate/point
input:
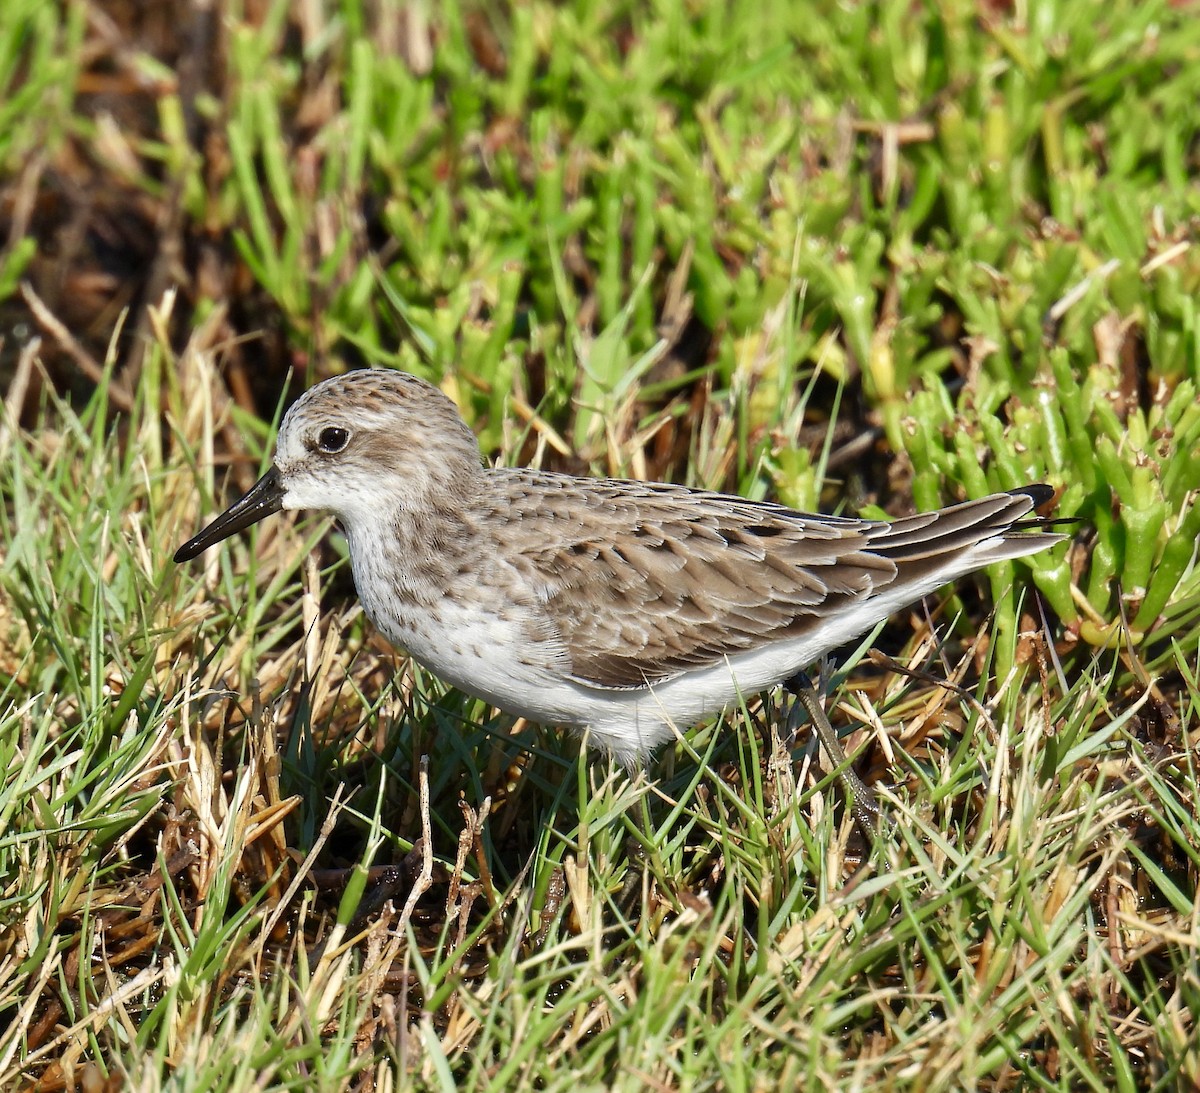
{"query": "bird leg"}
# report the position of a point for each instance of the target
(859, 796)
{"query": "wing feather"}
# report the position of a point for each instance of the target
(676, 590)
(681, 579)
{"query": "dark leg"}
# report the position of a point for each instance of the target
(859, 795)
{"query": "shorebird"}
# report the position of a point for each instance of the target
(622, 609)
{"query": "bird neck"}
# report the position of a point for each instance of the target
(416, 550)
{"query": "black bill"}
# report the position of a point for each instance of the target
(264, 498)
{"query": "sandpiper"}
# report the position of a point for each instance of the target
(620, 608)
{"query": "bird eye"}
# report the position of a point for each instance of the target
(333, 439)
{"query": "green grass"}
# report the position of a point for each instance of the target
(843, 255)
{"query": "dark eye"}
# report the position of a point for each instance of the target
(333, 439)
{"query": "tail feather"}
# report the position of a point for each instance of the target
(979, 532)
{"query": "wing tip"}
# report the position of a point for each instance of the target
(1039, 493)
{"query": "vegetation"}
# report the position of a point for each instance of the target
(861, 255)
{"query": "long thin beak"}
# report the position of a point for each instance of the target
(264, 498)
